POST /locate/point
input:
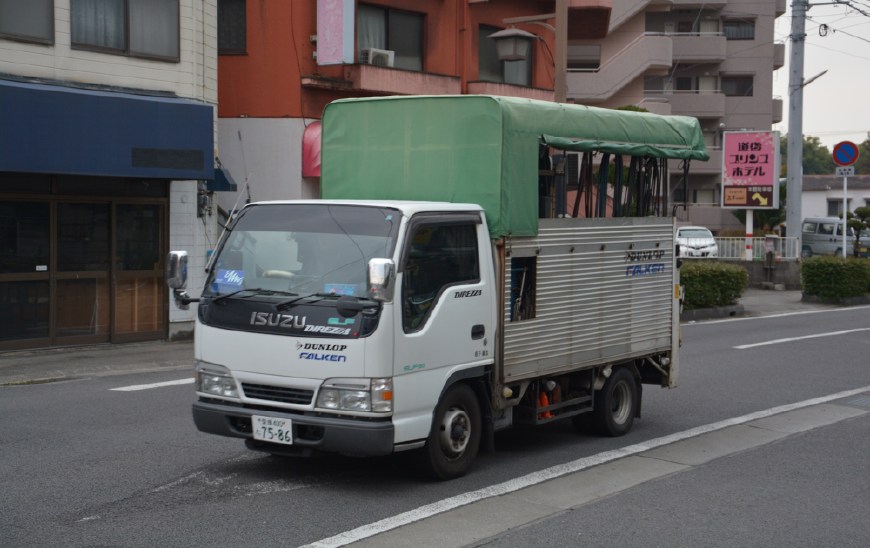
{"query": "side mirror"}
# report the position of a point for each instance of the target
(176, 269)
(381, 277)
(176, 278)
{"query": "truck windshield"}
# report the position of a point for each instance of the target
(302, 249)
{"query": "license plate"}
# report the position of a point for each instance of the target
(272, 429)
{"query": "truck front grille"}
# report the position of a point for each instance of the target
(280, 394)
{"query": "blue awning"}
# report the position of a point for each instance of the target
(222, 182)
(66, 130)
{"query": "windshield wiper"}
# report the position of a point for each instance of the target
(253, 290)
(314, 296)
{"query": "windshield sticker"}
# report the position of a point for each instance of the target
(339, 289)
(228, 280)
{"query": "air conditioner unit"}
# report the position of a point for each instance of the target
(375, 56)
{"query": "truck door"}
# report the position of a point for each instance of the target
(444, 300)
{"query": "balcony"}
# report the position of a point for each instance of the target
(377, 80)
(776, 111)
(644, 54)
(780, 7)
(697, 103)
(509, 90)
(623, 10)
(713, 166)
(778, 56)
(657, 104)
(693, 47)
(698, 4)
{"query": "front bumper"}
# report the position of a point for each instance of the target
(328, 434)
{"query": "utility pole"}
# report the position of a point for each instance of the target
(561, 54)
(794, 182)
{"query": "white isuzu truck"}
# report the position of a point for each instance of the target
(466, 270)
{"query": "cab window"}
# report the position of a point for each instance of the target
(438, 256)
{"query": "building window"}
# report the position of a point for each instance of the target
(491, 69)
(739, 30)
(737, 86)
(31, 21)
(584, 57)
(393, 30)
(139, 28)
(232, 27)
(835, 207)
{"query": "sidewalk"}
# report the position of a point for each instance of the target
(53, 364)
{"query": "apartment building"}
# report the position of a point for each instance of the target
(711, 60)
(107, 110)
(281, 62)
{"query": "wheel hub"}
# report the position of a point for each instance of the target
(455, 432)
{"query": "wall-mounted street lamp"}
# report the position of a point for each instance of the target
(513, 44)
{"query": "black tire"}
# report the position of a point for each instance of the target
(806, 252)
(615, 404)
(454, 439)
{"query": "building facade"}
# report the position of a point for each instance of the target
(107, 161)
(711, 60)
(282, 62)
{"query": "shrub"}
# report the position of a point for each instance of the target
(709, 284)
(835, 278)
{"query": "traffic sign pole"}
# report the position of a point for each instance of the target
(845, 155)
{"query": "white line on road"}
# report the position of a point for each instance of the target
(136, 387)
(790, 339)
(444, 505)
(777, 315)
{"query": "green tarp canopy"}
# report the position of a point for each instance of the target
(479, 149)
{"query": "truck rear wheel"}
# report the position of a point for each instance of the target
(615, 404)
(455, 436)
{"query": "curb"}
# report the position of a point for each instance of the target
(696, 314)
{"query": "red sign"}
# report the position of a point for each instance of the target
(845, 153)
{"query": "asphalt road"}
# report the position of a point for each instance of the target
(84, 464)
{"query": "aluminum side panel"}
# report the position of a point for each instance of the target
(604, 294)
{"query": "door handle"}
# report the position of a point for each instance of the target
(477, 331)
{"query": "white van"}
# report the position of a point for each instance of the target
(824, 236)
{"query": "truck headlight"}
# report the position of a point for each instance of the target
(215, 380)
(367, 395)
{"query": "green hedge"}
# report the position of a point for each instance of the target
(710, 284)
(835, 278)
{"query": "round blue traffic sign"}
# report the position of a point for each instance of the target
(845, 153)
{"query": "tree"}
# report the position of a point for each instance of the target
(859, 221)
(817, 159)
(862, 166)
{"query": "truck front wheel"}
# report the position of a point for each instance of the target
(455, 436)
(615, 404)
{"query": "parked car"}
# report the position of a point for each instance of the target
(696, 241)
(824, 236)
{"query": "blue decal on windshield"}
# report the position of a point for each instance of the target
(339, 289)
(230, 280)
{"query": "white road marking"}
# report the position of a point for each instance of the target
(777, 315)
(790, 339)
(136, 387)
(394, 522)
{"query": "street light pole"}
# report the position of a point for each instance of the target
(794, 166)
(560, 85)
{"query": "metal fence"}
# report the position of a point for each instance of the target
(786, 249)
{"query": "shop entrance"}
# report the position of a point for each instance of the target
(82, 269)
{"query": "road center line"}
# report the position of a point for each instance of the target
(136, 387)
(790, 339)
(510, 486)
